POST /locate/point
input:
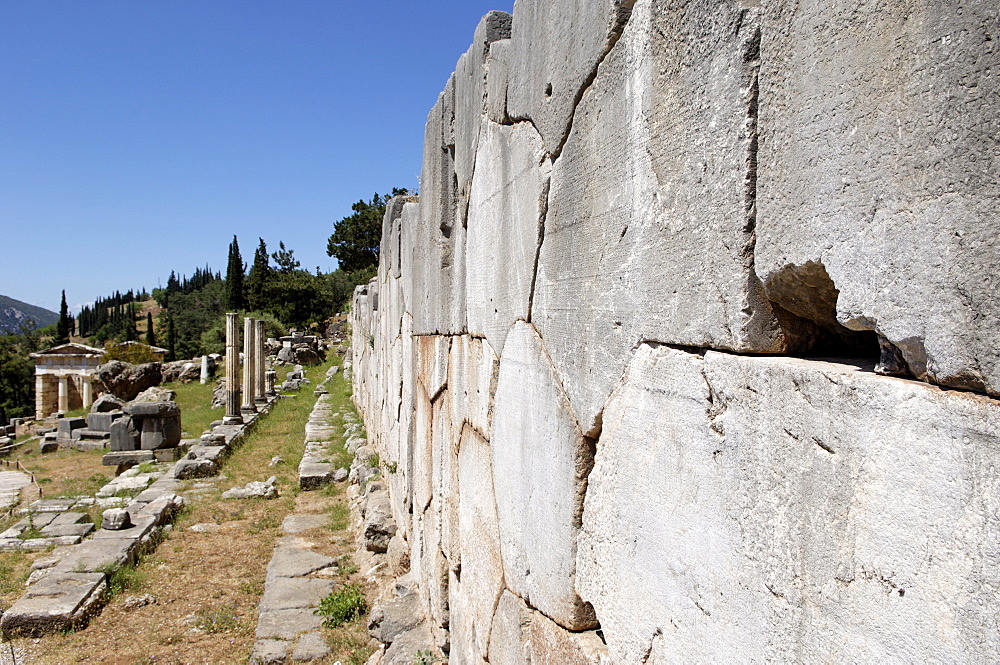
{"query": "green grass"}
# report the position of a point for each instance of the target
(340, 517)
(195, 401)
(346, 603)
(13, 572)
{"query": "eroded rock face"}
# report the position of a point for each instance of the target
(649, 231)
(888, 181)
(817, 489)
(125, 380)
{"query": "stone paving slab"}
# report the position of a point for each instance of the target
(11, 484)
(59, 601)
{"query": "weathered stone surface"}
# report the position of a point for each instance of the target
(540, 466)
(506, 212)
(155, 394)
(157, 409)
(254, 489)
(398, 615)
(648, 234)
(472, 380)
(101, 420)
(269, 652)
(124, 435)
(106, 403)
(127, 457)
(437, 243)
(296, 562)
(195, 468)
(60, 601)
(509, 636)
(470, 96)
(289, 593)
(116, 519)
(479, 529)
(65, 426)
(160, 432)
(906, 230)
(287, 624)
(555, 49)
(379, 526)
(311, 646)
(401, 651)
(832, 505)
(125, 380)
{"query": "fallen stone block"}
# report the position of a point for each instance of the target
(116, 519)
(394, 617)
(195, 468)
(102, 421)
(97, 554)
(314, 475)
(128, 458)
(59, 602)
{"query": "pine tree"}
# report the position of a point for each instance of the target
(235, 298)
(150, 335)
(63, 326)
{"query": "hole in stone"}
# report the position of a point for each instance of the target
(548, 90)
(804, 299)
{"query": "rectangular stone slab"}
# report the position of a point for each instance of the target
(59, 601)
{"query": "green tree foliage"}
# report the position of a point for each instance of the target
(258, 277)
(65, 324)
(171, 338)
(285, 259)
(235, 271)
(17, 374)
(213, 340)
(355, 240)
(137, 354)
(150, 333)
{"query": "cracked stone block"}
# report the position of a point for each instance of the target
(269, 652)
(649, 231)
(287, 624)
(290, 593)
(832, 504)
(889, 182)
(540, 464)
(436, 243)
(506, 210)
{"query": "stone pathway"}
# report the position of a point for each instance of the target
(11, 483)
(68, 587)
(298, 578)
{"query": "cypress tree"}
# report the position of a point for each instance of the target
(171, 338)
(260, 271)
(150, 335)
(63, 325)
(235, 298)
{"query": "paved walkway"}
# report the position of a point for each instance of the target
(11, 483)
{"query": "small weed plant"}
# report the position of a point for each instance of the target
(424, 658)
(217, 620)
(343, 605)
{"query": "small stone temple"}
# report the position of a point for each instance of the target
(63, 377)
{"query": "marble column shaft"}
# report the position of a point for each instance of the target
(249, 355)
(261, 365)
(233, 416)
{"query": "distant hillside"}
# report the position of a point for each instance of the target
(14, 312)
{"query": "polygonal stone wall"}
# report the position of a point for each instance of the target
(621, 353)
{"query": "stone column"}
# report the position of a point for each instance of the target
(270, 379)
(233, 416)
(63, 394)
(204, 370)
(40, 396)
(261, 365)
(88, 392)
(249, 355)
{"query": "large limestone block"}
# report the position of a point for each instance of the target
(389, 254)
(521, 636)
(438, 241)
(432, 363)
(879, 161)
(799, 511)
(482, 564)
(506, 212)
(497, 81)
(649, 231)
(472, 380)
(556, 49)
(470, 94)
(409, 223)
(444, 469)
(540, 466)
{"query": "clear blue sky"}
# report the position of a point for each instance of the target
(137, 137)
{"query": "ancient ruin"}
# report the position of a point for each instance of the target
(687, 351)
(63, 378)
